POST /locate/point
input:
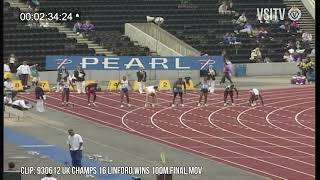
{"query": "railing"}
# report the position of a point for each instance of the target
(310, 6)
(158, 40)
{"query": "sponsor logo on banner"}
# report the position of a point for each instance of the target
(134, 62)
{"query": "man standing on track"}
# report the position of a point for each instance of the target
(75, 143)
(79, 75)
(204, 90)
(228, 91)
(63, 74)
(65, 92)
(178, 89)
(25, 72)
(211, 77)
(227, 71)
(142, 76)
(124, 83)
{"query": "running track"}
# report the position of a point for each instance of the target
(276, 141)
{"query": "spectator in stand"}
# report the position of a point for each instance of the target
(298, 79)
(87, 27)
(287, 57)
(229, 38)
(226, 38)
(12, 61)
(235, 18)
(35, 74)
(296, 57)
(24, 72)
(294, 26)
(77, 27)
(242, 19)
(256, 55)
(230, 5)
(232, 39)
(227, 71)
(79, 74)
(306, 39)
(62, 74)
(285, 27)
(247, 28)
(224, 8)
(33, 4)
(262, 35)
(290, 45)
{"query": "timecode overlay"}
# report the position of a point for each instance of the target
(49, 16)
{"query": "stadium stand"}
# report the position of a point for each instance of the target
(33, 44)
(197, 22)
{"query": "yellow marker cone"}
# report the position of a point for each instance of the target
(87, 82)
(164, 85)
(135, 85)
(163, 157)
(189, 86)
(112, 85)
(45, 85)
(7, 75)
(17, 85)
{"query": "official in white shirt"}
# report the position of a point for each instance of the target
(75, 143)
(24, 71)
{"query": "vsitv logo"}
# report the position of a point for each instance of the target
(269, 14)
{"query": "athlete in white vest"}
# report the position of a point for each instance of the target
(254, 96)
(124, 84)
(151, 91)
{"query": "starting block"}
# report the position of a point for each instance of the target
(112, 85)
(17, 85)
(190, 86)
(45, 85)
(164, 85)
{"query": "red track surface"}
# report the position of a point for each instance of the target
(275, 141)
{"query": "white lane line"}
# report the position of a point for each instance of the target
(295, 104)
(36, 145)
(253, 108)
(296, 118)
